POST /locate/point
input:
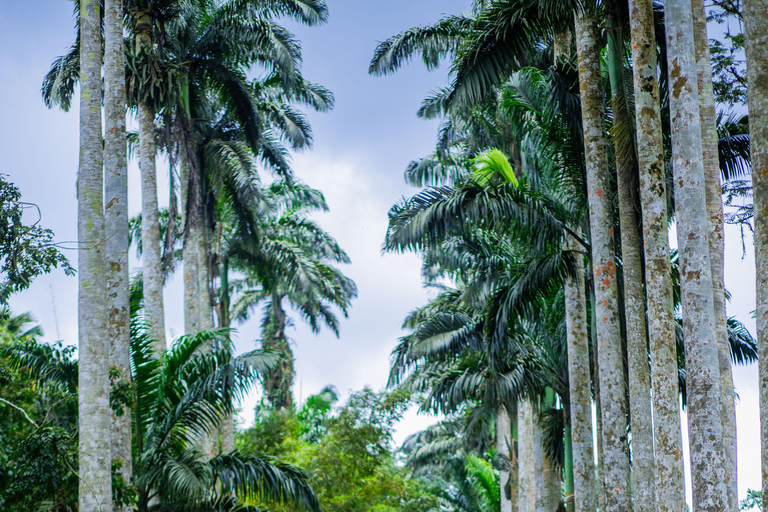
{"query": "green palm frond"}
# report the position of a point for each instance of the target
(434, 42)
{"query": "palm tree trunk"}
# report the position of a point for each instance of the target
(227, 429)
(643, 478)
(548, 486)
(152, 269)
(93, 380)
(670, 484)
(705, 430)
(189, 255)
(205, 307)
(716, 243)
(279, 381)
(755, 21)
(116, 227)
(526, 501)
(503, 444)
(579, 384)
(611, 374)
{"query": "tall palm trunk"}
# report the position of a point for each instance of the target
(526, 500)
(93, 380)
(116, 226)
(279, 380)
(579, 384)
(716, 242)
(643, 480)
(755, 21)
(189, 254)
(705, 430)
(548, 485)
(611, 374)
(204, 305)
(504, 447)
(152, 269)
(670, 483)
(227, 429)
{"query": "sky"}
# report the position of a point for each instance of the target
(361, 150)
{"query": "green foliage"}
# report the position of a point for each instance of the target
(350, 460)
(26, 250)
(485, 483)
(38, 419)
(753, 500)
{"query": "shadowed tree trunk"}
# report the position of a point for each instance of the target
(278, 381)
(93, 346)
(548, 485)
(670, 484)
(503, 444)
(189, 256)
(755, 23)
(716, 242)
(611, 375)
(579, 384)
(705, 430)
(116, 227)
(152, 269)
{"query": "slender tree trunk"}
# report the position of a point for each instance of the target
(227, 430)
(705, 430)
(94, 347)
(643, 478)
(152, 267)
(116, 228)
(526, 501)
(611, 374)
(670, 483)
(189, 256)
(548, 485)
(716, 243)
(755, 22)
(503, 445)
(278, 382)
(205, 306)
(579, 384)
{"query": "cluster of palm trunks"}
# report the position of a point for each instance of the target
(488, 225)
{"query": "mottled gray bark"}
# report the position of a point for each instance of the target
(643, 479)
(705, 430)
(205, 306)
(611, 374)
(93, 345)
(579, 384)
(670, 483)
(152, 271)
(755, 23)
(503, 444)
(526, 500)
(716, 243)
(116, 228)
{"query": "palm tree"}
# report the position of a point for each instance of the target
(755, 14)
(180, 396)
(290, 259)
(94, 452)
(702, 360)
(650, 158)
(714, 203)
(116, 224)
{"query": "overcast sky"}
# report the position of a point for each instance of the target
(361, 150)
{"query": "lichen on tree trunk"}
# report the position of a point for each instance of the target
(611, 374)
(716, 243)
(670, 484)
(116, 230)
(755, 23)
(579, 384)
(705, 430)
(94, 455)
